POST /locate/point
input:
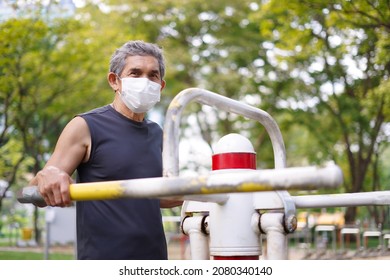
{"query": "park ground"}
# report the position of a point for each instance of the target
(178, 249)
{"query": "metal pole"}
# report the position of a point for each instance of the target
(199, 239)
(343, 200)
(272, 225)
(47, 241)
(232, 235)
(49, 218)
(296, 178)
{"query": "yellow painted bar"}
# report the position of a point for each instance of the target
(243, 187)
(256, 187)
(253, 187)
(96, 191)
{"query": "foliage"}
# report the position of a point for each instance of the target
(338, 70)
(46, 79)
(45, 67)
(320, 68)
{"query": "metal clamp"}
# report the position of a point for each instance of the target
(289, 219)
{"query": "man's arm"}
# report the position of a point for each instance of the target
(72, 148)
(166, 203)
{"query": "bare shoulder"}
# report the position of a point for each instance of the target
(73, 146)
(77, 123)
(76, 129)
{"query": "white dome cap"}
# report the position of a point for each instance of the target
(233, 143)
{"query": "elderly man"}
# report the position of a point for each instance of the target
(115, 142)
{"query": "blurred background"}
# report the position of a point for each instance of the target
(320, 68)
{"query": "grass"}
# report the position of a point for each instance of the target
(26, 253)
(16, 255)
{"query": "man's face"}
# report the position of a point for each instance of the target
(142, 67)
(138, 67)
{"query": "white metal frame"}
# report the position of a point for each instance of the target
(278, 225)
(272, 209)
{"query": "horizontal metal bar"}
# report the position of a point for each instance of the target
(297, 178)
(342, 200)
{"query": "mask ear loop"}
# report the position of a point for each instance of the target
(120, 79)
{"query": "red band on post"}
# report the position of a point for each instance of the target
(234, 161)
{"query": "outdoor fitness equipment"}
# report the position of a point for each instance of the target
(269, 208)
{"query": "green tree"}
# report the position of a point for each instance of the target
(49, 72)
(336, 68)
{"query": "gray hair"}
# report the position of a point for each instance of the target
(133, 48)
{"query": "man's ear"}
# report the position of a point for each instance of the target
(113, 81)
(162, 84)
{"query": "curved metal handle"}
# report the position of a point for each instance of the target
(173, 118)
(172, 125)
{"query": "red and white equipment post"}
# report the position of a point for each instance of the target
(232, 223)
(231, 234)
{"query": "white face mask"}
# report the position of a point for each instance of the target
(140, 94)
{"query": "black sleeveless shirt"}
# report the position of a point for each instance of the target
(122, 228)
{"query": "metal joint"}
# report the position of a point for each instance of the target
(289, 220)
(259, 225)
(290, 223)
(182, 224)
(204, 225)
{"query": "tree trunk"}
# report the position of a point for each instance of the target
(350, 215)
(37, 230)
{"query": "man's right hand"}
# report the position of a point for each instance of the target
(53, 185)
